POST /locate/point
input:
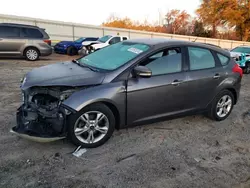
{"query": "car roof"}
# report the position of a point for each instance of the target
(18, 25)
(161, 42)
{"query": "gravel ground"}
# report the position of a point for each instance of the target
(187, 152)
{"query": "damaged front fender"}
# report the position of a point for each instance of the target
(111, 93)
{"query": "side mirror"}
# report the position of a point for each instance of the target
(142, 71)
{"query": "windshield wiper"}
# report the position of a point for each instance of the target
(83, 65)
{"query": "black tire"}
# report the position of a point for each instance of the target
(31, 54)
(213, 108)
(247, 68)
(71, 51)
(100, 107)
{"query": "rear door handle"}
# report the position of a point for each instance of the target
(176, 82)
(216, 76)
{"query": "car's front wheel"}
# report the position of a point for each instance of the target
(222, 105)
(71, 51)
(92, 126)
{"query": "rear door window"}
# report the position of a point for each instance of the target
(200, 58)
(31, 33)
(9, 32)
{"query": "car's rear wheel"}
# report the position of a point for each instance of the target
(71, 51)
(92, 126)
(247, 68)
(31, 54)
(222, 105)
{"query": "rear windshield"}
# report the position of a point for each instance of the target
(114, 56)
(241, 50)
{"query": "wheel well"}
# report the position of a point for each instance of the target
(115, 112)
(29, 48)
(234, 94)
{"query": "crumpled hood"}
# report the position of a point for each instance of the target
(62, 74)
(86, 43)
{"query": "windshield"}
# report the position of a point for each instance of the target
(79, 40)
(241, 50)
(104, 39)
(114, 56)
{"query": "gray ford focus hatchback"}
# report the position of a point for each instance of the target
(128, 83)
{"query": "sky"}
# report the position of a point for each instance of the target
(95, 12)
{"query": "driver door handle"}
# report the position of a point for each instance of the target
(176, 82)
(216, 76)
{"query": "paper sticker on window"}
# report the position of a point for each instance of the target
(135, 50)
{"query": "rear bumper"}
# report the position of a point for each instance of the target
(46, 52)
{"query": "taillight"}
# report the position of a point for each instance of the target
(47, 41)
(237, 69)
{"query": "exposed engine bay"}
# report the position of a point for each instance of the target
(42, 114)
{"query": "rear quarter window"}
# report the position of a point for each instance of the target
(200, 58)
(31, 33)
(223, 59)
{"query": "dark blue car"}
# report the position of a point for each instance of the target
(71, 47)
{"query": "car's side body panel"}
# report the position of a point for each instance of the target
(155, 97)
(112, 93)
(150, 98)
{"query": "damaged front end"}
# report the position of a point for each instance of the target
(42, 117)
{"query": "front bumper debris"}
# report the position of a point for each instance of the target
(35, 138)
(38, 131)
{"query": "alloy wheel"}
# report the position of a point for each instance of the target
(224, 106)
(91, 127)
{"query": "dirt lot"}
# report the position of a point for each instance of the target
(187, 152)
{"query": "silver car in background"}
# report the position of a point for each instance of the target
(24, 40)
